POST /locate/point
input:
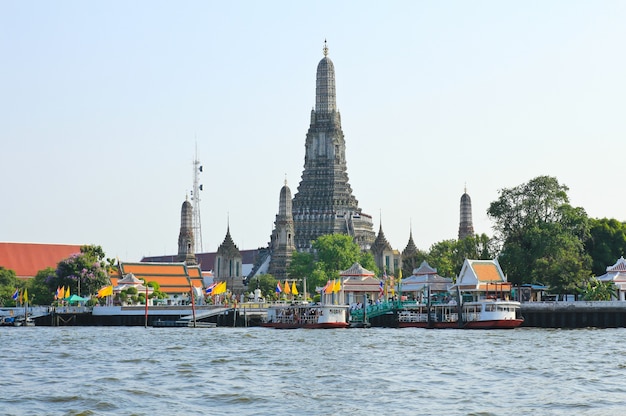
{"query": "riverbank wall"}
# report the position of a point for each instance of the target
(564, 315)
(580, 314)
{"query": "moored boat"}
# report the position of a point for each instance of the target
(23, 321)
(484, 314)
(305, 315)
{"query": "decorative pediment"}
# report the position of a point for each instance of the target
(424, 268)
(619, 266)
(356, 270)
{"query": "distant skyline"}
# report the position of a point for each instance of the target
(102, 105)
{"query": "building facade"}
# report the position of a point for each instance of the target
(228, 265)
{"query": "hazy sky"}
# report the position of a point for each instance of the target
(102, 104)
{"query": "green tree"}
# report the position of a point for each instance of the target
(412, 262)
(266, 283)
(333, 254)
(444, 257)
(156, 290)
(541, 236)
(336, 252)
(86, 270)
(8, 283)
(448, 256)
(606, 243)
(594, 290)
(38, 289)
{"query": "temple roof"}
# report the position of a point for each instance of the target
(619, 266)
(365, 284)
(424, 268)
(481, 275)
(615, 273)
(356, 270)
(425, 276)
(410, 248)
(26, 259)
(228, 247)
(171, 277)
(381, 244)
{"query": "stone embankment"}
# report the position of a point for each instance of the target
(578, 314)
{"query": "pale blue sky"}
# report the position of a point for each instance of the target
(101, 104)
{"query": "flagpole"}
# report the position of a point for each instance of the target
(146, 313)
(193, 303)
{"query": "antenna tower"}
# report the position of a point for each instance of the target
(195, 198)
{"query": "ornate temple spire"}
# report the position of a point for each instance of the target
(324, 203)
(227, 266)
(283, 237)
(381, 242)
(325, 96)
(186, 245)
(411, 248)
(466, 227)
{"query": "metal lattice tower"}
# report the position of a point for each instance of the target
(195, 198)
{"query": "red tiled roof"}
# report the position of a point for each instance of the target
(26, 259)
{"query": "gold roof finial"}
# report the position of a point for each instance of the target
(325, 48)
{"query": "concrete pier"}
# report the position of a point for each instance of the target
(579, 314)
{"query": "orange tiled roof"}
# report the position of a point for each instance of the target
(194, 271)
(171, 277)
(487, 272)
(154, 269)
(26, 259)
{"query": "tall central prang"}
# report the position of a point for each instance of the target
(324, 203)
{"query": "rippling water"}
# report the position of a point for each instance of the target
(250, 371)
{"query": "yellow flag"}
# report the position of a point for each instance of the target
(287, 289)
(220, 288)
(294, 289)
(61, 294)
(25, 296)
(67, 292)
(105, 291)
(329, 287)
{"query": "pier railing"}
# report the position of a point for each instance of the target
(372, 311)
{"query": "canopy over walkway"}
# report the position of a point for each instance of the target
(206, 314)
(372, 311)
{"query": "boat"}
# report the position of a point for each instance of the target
(482, 314)
(7, 321)
(23, 321)
(306, 315)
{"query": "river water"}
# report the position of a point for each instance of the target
(262, 371)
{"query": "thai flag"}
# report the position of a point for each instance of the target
(380, 289)
(278, 288)
(16, 294)
(210, 288)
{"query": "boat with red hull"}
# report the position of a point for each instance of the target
(484, 314)
(304, 315)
